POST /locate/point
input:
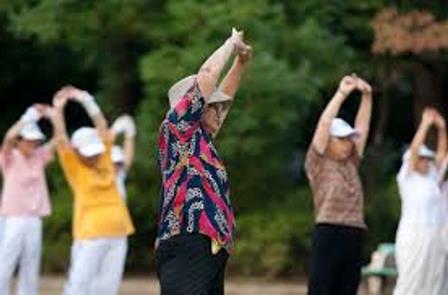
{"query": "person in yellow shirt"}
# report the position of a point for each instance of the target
(101, 221)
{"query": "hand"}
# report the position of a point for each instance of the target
(60, 98)
(85, 99)
(246, 56)
(237, 39)
(428, 116)
(77, 94)
(49, 113)
(363, 86)
(347, 85)
(439, 121)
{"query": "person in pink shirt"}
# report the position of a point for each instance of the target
(24, 201)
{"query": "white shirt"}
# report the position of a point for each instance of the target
(421, 199)
(121, 183)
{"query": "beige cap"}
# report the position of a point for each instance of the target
(178, 90)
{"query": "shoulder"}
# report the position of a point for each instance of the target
(405, 168)
(66, 153)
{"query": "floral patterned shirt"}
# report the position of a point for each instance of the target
(194, 197)
(337, 189)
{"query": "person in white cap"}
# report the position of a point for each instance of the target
(123, 156)
(25, 200)
(195, 215)
(101, 221)
(332, 165)
(419, 253)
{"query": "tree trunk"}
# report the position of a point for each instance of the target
(119, 79)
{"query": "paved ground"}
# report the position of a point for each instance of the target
(52, 285)
(149, 286)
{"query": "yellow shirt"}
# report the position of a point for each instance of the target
(99, 211)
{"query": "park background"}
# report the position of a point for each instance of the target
(128, 53)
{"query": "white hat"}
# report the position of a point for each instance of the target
(423, 151)
(426, 152)
(178, 90)
(340, 128)
(117, 154)
(31, 131)
(87, 142)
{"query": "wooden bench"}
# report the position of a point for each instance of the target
(381, 273)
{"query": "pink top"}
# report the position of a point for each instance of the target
(25, 189)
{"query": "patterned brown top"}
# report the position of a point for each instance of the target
(337, 189)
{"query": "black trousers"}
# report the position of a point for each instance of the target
(185, 265)
(335, 260)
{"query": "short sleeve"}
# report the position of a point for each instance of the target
(46, 154)
(186, 115)
(404, 171)
(312, 163)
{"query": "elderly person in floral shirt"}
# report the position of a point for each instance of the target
(332, 168)
(196, 219)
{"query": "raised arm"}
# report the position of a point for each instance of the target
(322, 133)
(211, 69)
(362, 122)
(56, 115)
(428, 118)
(32, 114)
(231, 82)
(440, 124)
(93, 110)
(125, 125)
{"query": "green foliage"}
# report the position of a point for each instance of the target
(57, 233)
(275, 241)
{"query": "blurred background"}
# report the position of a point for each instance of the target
(128, 53)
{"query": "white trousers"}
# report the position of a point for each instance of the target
(97, 266)
(1, 226)
(21, 244)
(420, 261)
(445, 252)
